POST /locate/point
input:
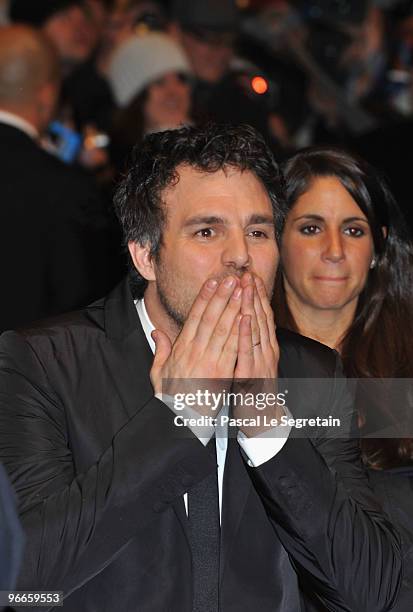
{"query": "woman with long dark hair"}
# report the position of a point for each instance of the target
(346, 278)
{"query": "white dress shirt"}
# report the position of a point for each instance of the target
(258, 449)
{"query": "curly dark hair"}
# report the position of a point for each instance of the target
(155, 165)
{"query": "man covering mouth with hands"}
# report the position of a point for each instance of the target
(123, 510)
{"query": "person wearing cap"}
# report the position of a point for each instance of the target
(148, 74)
(207, 32)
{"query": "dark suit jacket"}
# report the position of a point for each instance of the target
(100, 470)
(53, 234)
(11, 535)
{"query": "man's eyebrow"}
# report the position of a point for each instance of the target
(255, 219)
(261, 220)
(204, 220)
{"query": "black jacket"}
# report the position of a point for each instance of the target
(100, 472)
(53, 234)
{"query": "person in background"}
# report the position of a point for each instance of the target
(85, 103)
(222, 90)
(53, 241)
(85, 89)
(64, 22)
(149, 75)
(346, 277)
(127, 17)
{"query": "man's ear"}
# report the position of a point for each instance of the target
(142, 260)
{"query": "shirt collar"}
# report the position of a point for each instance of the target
(146, 323)
(19, 123)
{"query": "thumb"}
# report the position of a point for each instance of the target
(163, 349)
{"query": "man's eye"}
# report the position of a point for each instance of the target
(205, 232)
(309, 230)
(258, 234)
(355, 232)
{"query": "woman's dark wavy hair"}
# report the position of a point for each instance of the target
(379, 342)
(154, 167)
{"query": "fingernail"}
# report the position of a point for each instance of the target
(237, 293)
(212, 283)
(229, 282)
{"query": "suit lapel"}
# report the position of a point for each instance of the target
(124, 328)
(129, 347)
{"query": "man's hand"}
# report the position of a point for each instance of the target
(258, 351)
(207, 346)
(258, 355)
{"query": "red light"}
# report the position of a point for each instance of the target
(259, 85)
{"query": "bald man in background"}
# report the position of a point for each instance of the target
(53, 232)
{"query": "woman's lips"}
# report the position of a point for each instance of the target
(331, 279)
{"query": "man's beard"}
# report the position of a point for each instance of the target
(174, 294)
(173, 313)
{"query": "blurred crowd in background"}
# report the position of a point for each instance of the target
(302, 72)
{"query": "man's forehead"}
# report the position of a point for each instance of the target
(195, 189)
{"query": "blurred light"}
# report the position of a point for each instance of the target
(259, 85)
(242, 4)
(96, 141)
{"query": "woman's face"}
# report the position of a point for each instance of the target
(168, 102)
(327, 248)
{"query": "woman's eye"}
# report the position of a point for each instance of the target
(355, 232)
(309, 230)
(205, 232)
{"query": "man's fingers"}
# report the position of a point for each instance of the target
(262, 322)
(262, 293)
(202, 300)
(210, 322)
(245, 361)
(163, 349)
(222, 338)
(229, 353)
(247, 305)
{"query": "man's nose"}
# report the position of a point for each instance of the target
(236, 253)
(333, 248)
